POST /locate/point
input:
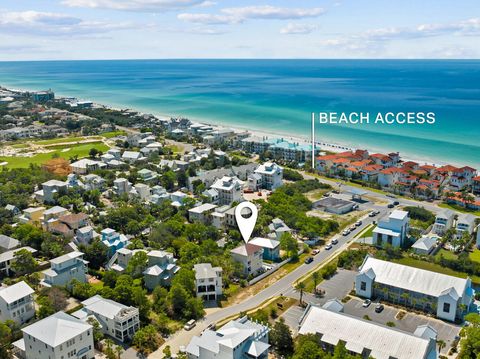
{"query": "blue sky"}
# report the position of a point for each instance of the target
(126, 29)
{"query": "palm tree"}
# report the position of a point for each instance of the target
(405, 297)
(316, 278)
(119, 351)
(300, 287)
(441, 344)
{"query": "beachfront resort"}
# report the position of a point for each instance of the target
(118, 238)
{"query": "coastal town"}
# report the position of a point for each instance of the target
(119, 240)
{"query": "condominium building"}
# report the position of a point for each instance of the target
(64, 269)
(16, 303)
(208, 281)
(238, 339)
(59, 336)
(366, 338)
(116, 320)
(445, 296)
(393, 230)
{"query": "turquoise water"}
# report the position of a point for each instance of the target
(279, 95)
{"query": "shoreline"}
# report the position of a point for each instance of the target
(328, 146)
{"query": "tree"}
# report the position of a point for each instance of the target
(167, 352)
(281, 338)
(93, 152)
(118, 351)
(108, 351)
(289, 245)
(24, 262)
(300, 286)
(137, 264)
(168, 180)
(146, 339)
(57, 297)
(97, 332)
(316, 277)
(95, 253)
(441, 344)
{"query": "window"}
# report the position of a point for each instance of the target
(363, 286)
(446, 307)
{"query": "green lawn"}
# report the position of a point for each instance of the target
(446, 254)
(367, 232)
(475, 255)
(434, 268)
(75, 150)
(65, 140)
(113, 134)
(459, 208)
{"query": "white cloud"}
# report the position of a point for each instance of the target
(53, 24)
(136, 5)
(237, 15)
(298, 29)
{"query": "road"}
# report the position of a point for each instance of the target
(283, 286)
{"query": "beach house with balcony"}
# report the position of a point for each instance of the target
(447, 297)
(229, 190)
(64, 269)
(17, 303)
(208, 281)
(443, 221)
(119, 321)
(393, 230)
(161, 269)
(271, 177)
(113, 240)
(250, 257)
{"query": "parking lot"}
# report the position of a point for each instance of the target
(340, 285)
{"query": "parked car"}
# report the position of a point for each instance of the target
(396, 203)
(352, 228)
(379, 308)
(376, 212)
(336, 191)
(328, 247)
(190, 324)
(355, 206)
(391, 205)
(308, 260)
(334, 241)
(366, 303)
(345, 232)
(326, 194)
(315, 252)
(358, 223)
(372, 214)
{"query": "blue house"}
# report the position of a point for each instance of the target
(113, 240)
(271, 247)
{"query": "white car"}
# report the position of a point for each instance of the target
(328, 247)
(334, 241)
(345, 232)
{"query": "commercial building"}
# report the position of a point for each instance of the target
(238, 339)
(59, 336)
(393, 230)
(445, 296)
(365, 338)
(334, 205)
(116, 320)
(208, 281)
(16, 303)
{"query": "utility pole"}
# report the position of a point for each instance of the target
(313, 141)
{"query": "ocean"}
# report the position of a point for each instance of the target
(278, 96)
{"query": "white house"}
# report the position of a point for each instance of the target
(425, 245)
(443, 221)
(16, 303)
(85, 165)
(64, 269)
(393, 230)
(201, 213)
(465, 223)
(208, 281)
(229, 190)
(132, 156)
(59, 336)
(238, 339)
(50, 189)
(446, 296)
(121, 186)
(250, 257)
(366, 338)
(271, 176)
(8, 243)
(116, 320)
(8, 258)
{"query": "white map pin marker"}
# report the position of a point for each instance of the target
(246, 225)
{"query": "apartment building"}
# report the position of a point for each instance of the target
(116, 320)
(64, 269)
(445, 296)
(59, 336)
(208, 281)
(17, 303)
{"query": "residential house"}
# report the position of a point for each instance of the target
(393, 230)
(85, 166)
(132, 157)
(278, 228)
(161, 269)
(85, 235)
(211, 195)
(17, 303)
(425, 245)
(8, 243)
(208, 281)
(113, 240)
(202, 213)
(476, 185)
(59, 336)
(271, 176)
(51, 190)
(118, 321)
(365, 338)
(32, 215)
(121, 186)
(271, 247)
(443, 221)
(238, 339)
(64, 269)
(229, 190)
(250, 257)
(177, 198)
(146, 175)
(94, 182)
(8, 258)
(465, 223)
(446, 296)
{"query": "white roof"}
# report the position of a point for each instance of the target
(8, 256)
(397, 214)
(7, 242)
(104, 307)
(413, 279)
(57, 329)
(425, 243)
(383, 342)
(205, 271)
(386, 231)
(54, 183)
(55, 209)
(15, 292)
(66, 257)
(83, 163)
(265, 242)
(202, 208)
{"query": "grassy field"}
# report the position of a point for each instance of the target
(435, 268)
(446, 254)
(113, 134)
(54, 141)
(62, 151)
(459, 208)
(475, 255)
